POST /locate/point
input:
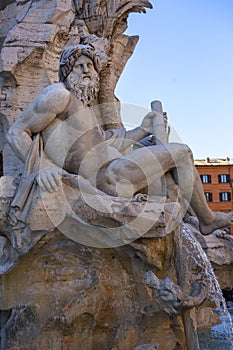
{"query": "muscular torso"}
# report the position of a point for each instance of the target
(75, 141)
(72, 138)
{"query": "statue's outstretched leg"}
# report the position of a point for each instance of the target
(127, 175)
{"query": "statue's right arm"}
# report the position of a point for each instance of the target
(52, 101)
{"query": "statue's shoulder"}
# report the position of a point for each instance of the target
(55, 97)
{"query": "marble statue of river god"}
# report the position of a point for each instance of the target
(60, 134)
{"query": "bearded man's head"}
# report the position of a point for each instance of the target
(79, 71)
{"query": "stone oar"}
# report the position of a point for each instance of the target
(169, 188)
(160, 133)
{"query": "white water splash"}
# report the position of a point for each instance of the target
(225, 330)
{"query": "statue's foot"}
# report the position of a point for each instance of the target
(219, 220)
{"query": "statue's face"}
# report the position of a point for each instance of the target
(83, 80)
(84, 70)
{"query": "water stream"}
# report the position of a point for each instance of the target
(219, 337)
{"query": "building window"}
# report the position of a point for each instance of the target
(206, 179)
(225, 196)
(223, 178)
(208, 196)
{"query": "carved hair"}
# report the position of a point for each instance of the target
(70, 55)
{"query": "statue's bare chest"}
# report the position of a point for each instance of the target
(77, 116)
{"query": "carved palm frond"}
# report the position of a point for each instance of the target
(106, 18)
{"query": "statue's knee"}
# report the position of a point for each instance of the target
(113, 182)
(106, 180)
(189, 151)
(185, 151)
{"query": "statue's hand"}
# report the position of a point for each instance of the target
(147, 123)
(49, 179)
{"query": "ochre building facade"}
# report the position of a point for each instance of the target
(217, 176)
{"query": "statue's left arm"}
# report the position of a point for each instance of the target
(129, 137)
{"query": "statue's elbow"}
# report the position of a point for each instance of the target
(10, 136)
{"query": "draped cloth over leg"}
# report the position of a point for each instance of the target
(20, 236)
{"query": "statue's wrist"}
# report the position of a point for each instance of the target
(145, 131)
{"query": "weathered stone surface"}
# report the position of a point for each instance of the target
(207, 317)
(74, 296)
(82, 297)
(98, 221)
(219, 249)
(71, 293)
(7, 191)
(153, 346)
(25, 50)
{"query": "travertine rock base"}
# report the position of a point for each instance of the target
(67, 296)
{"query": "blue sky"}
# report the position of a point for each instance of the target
(185, 59)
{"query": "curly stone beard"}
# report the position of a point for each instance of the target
(85, 91)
